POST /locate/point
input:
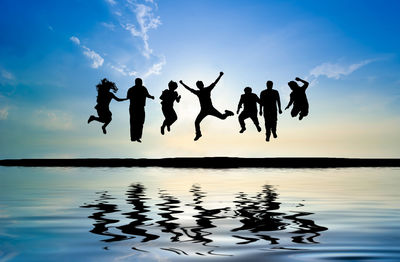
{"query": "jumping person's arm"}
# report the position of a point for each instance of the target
(239, 105)
(290, 102)
(216, 80)
(278, 100)
(305, 83)
(148, 95)
(119, 99)
(178, 98)
(188, 88)
(260, 102)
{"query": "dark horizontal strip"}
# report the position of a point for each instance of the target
(208, 162)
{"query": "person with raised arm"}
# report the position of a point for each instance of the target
(298, 98)
(206, 106)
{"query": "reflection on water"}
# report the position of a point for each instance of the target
(101, 227)
(189, 215)
(259, 217)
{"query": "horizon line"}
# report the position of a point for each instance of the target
(206, 162)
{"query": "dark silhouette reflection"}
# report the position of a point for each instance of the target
(249, 101)
(307, 230)
(206, 106)
(260, 217)
(269, 100)
(168, 97)
(101, 225)
(104, 97)
(136, 197)
(199, 233)
(169, 207)
(258, 214)
(298, 98)
(137, 95)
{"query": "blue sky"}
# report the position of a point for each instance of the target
(53, 53)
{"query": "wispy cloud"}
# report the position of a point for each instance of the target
(75, 40)
(54, 120)
(3, 113)
(156, 68)
(110, 26)
(111, 2)
(123, 69)
(336, 71)
(145, 20)
(6, 75)
(96, 59)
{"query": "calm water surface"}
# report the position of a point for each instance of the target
(155, 214)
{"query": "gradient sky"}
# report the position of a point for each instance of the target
(53, 53)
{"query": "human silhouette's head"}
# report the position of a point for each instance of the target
(247, 90)
(293, 85)
(172, 85)
(269, 84)
(105, 86)
(200, 84)
(138, 82)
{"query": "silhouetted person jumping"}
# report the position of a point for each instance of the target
(249, 101)
(137, 95)
(206, 106)
(298, 98)
(168, 97)
(104, 97)
(269, 99)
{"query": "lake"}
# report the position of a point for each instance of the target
(166, 214)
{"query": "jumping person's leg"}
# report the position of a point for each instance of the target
(107, 119)
(173, 117)
(303, 112)
(216, 113)
(267, 128)
(273, 127)
(102, 115)
(197, 122)
(254, 118)
(242, 117)
(295, 111)
(165, 122)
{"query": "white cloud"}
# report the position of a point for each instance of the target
(53, 120)
(156, 68)
(75, 40)
(6, 75)
(146, 20)
(111, 2)
(97, 60)
(110, 26)
(336, 71)
(4, 113)
(123, 69)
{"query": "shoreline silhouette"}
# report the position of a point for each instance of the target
(207, 162)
